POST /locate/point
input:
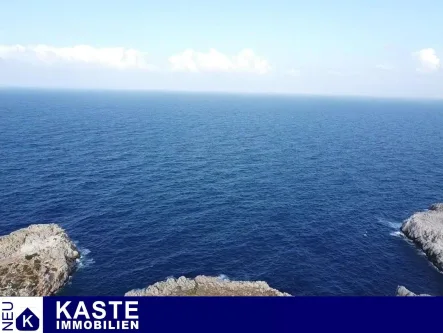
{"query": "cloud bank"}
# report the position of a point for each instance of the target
(214, 61)
(110, 57)
(384, 67)
(428, 59)
(294, 72)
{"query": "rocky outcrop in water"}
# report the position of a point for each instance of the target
(206, 286)
(403, 291)
(36, 261)
(426, 229)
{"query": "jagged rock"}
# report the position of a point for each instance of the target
(437, 207)
(206, 286)
(403, 291)
(426, 229)
(36, 261)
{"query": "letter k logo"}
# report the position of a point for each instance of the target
(27, 321)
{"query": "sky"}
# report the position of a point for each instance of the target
(386, 48)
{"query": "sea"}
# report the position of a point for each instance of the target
(305, 192)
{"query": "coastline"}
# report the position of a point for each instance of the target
(40, 259)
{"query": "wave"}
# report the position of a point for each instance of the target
(85, 259)
(223, 277)
(393, 225)
(389, 223)
(397, 233)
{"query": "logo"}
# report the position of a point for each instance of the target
(21, 314)
(88, 314)
(27, 321)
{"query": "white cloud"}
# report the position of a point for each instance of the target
(333, 72)
(384, 67)
(215, 61)
(294, 72)
(428, 59)
(111, 57)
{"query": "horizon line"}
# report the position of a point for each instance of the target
(221, 92)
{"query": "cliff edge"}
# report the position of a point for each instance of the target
(36, 261)
(403, 291)
(206, 286)
(426, 230)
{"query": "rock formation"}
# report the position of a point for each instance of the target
(426, 229)
(36, 261)
(206, 286)
(403, 291)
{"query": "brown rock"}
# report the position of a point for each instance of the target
(426, 230)
(36, 261)
(403, 291)
(206, 286)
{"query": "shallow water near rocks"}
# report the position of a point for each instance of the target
(306, 193)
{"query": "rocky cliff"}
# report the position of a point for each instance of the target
(206, 286)
(426, 230)
(403, 291)
(36, 261)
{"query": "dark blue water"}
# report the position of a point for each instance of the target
(303, 192)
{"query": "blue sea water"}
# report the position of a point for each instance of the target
(306, 193)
